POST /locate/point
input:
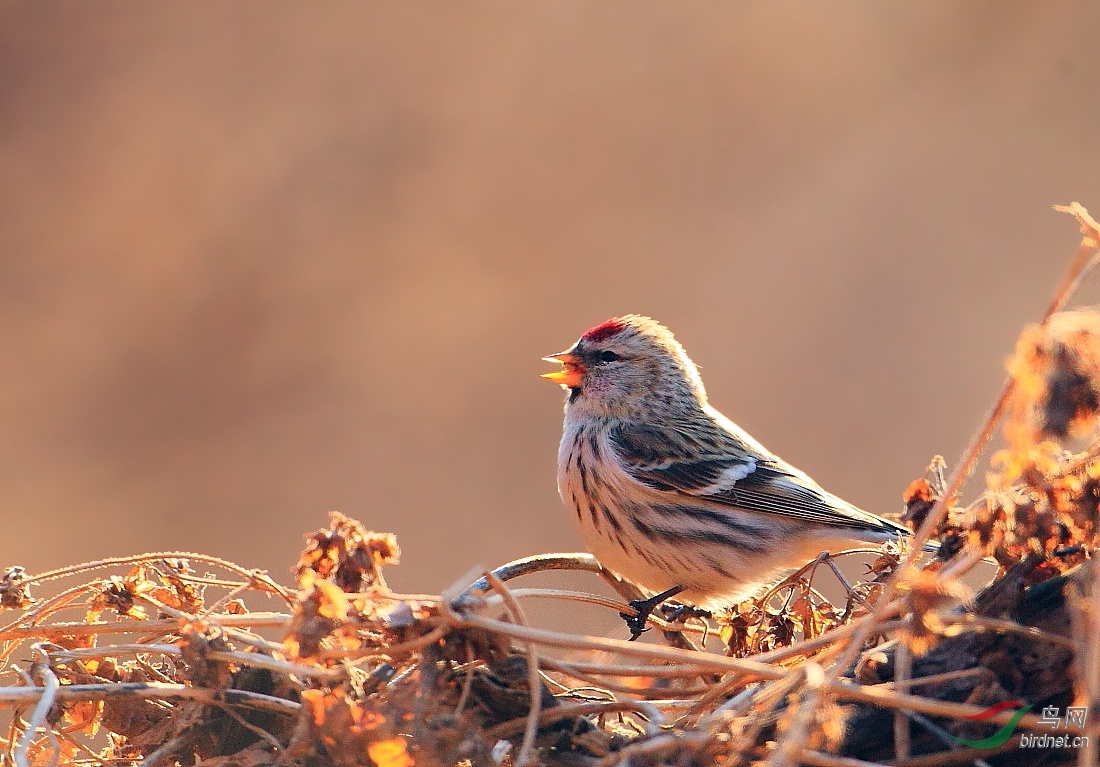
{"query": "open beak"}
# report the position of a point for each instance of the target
(571, 372)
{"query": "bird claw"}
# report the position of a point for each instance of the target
(644, 608)
(677, 613)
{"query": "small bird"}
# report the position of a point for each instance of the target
(667, 491)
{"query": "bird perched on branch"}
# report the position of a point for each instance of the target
(668, 491)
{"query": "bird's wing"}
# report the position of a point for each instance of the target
(725, 470)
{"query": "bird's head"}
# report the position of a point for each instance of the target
(629, 366)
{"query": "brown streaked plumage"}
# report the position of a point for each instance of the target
(667, 491)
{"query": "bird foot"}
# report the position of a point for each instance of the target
(644, 608)
(675, 613)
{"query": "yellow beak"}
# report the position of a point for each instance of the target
(572, 372)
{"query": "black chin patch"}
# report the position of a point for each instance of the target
(574, 393)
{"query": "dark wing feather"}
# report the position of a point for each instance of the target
(735, 476)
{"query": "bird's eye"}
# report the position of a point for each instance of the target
(608, 356)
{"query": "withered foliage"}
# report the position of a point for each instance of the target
(14, 589)
(183, 659)
(1043, 498)
(348, 555)
(1056, 368)
(794, 610)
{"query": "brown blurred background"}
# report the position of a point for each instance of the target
(260, 261)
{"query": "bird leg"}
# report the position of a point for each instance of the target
(643, 608)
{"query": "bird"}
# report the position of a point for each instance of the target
(668, 492)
